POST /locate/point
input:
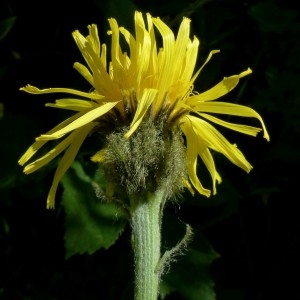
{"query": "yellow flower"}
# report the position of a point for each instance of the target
(146, 82)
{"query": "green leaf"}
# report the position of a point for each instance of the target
(90, 223)
(272, 18)
(190, 277)
(5, 26)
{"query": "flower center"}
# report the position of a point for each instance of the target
(153, 158)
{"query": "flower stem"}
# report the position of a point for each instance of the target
(146, 239)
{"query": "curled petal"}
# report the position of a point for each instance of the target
(192, 151)
(216, 141)
(34, 90)
(210, 165)
(230, 109)
(221, 89)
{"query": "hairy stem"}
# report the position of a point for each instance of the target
(146, 239)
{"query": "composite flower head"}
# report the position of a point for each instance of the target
(146, 81)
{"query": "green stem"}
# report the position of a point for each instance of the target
(146, 238)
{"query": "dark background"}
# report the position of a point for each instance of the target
(252, 223)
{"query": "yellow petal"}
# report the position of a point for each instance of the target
(153, 66)
(45, 159)
(230, 109)
(192, 151)
(34, 90)
(210, 165)
(166, 61)
(93, 38)
(143, 41)
(101, 79)
(203, 151)
(38, 144)
(190, 62)
(67, 160)
(81, 43)
(211, 53)
(187, 185)
(237, 127)
(116, 52)
(99, 156)
(132, 45)
(180, 50)
(72, 104)
(143, 105)
(216, 141)
(222, 88)
(81, 121)
(84, 72)
(103, 56)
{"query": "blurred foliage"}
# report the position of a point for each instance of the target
(5, 26)
(246, 239)
(90, 224)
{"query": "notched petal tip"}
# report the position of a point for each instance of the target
(50, 204)
(245, 73)
(30, 89)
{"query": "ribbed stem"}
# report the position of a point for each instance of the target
(146, 239)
